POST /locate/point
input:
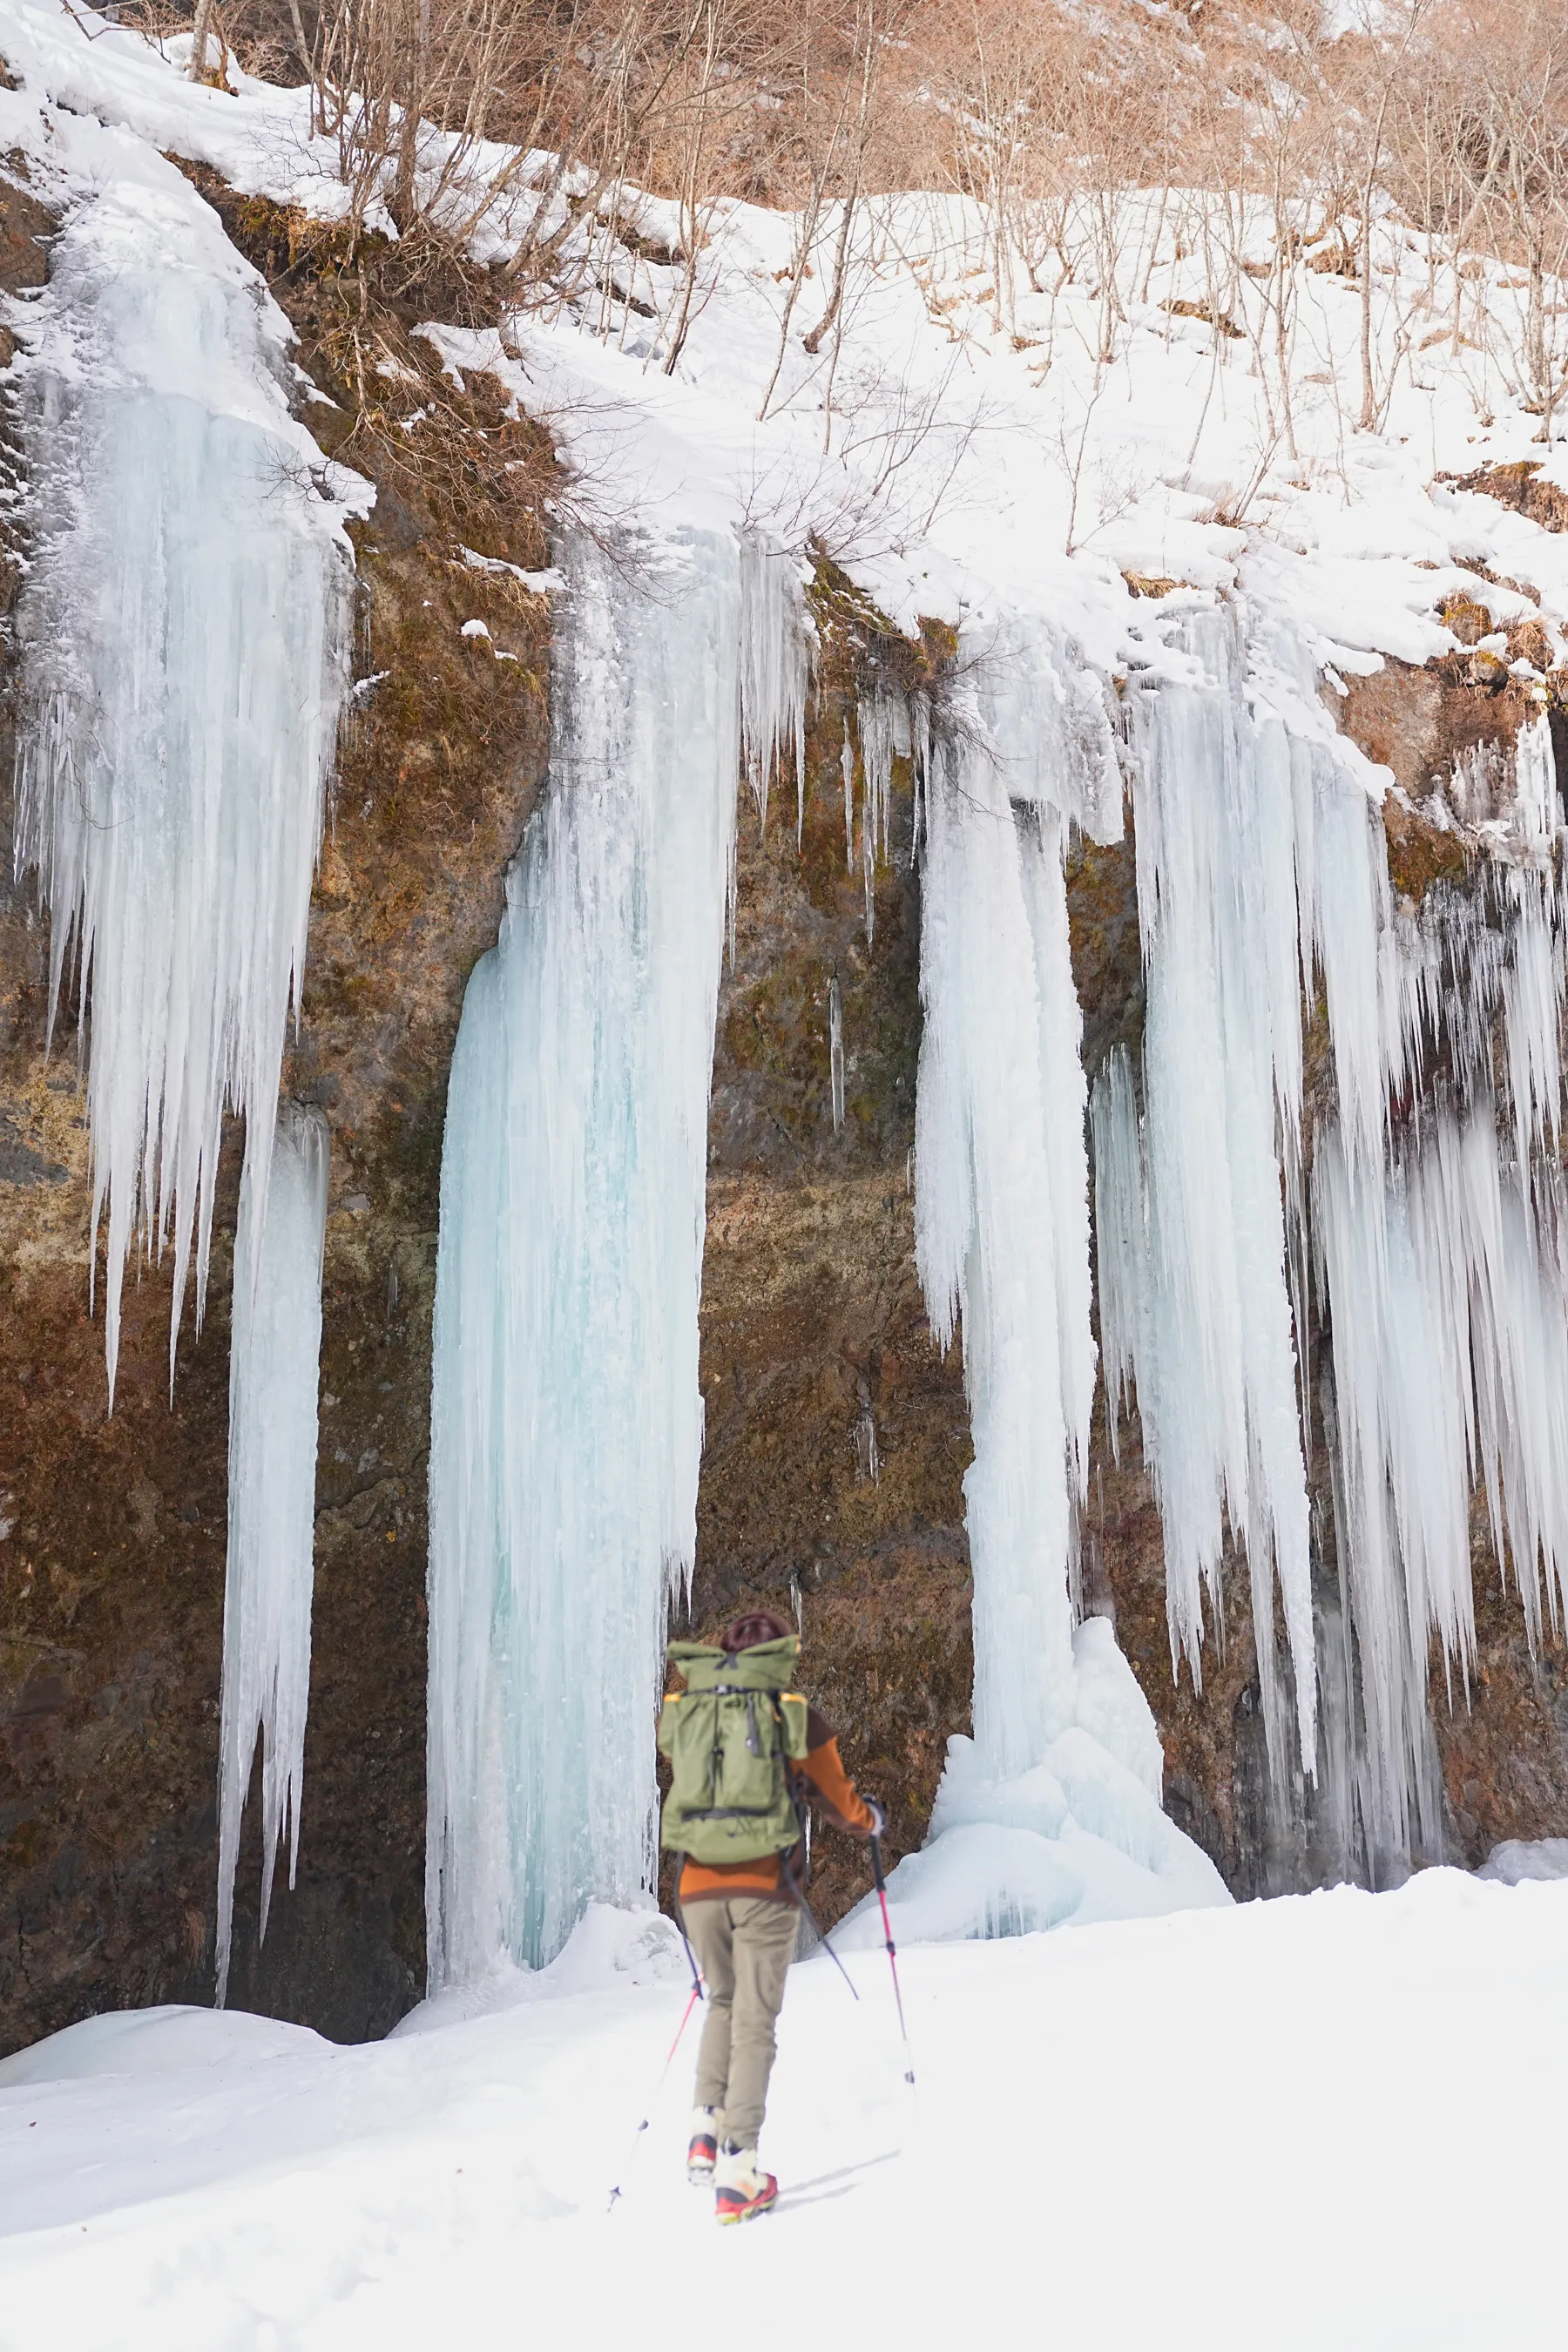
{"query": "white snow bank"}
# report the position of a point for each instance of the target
(155, 2041)
(1078, 1838)
(610, 1947)
(259, 139)
(1518, 1859)
(944, 450)
(1080, 2098)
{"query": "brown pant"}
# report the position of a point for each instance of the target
(743, 1946)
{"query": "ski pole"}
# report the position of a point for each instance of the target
(690, 1955)
(892, 1958)
(835, 1958)
(804, 1907)
(692, 1998)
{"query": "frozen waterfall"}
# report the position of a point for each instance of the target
(1052, 1811)
(183, 627)
(566, 1422)
(1002, 1194)
(1195, 1305)
(274, 1373)
(1392, 1278)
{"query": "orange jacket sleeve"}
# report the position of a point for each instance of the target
(835, 1789)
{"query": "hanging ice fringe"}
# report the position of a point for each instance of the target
(184, 629)
(1427, 1227)
(274, 1374)
(775, 669)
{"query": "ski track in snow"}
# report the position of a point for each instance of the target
(1328, 2119)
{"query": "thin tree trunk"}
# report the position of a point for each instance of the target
(198, 66)
(307, 60)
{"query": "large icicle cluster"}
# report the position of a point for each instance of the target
(567, 1421)
(1418, 1219)
(1002, 1199)
(275, 1353)
(1053, 1809)
(183, 627)
(1193, 1300)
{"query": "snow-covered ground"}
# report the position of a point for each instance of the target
(1332, 2120)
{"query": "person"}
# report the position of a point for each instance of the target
(740, 1917)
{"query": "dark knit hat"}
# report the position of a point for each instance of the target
(756, 1625)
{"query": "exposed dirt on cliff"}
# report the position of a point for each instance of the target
(1522, 485)
(836, 1438)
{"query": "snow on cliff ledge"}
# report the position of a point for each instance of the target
(955, 462)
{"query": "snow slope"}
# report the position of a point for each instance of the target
(1331, 2119)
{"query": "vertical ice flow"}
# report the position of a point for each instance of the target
(184, 632)
(1053, 1809)
(274, 1371)
(1001, 1218)
(566, 1418)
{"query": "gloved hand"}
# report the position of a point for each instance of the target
(878, 1813)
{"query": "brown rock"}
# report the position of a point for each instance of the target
(836, 1438)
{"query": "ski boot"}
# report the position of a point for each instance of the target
(741, 2189)
(702, 2149)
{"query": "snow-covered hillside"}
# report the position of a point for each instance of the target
(1327, 2120)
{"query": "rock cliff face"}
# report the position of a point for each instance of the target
(836, 1438)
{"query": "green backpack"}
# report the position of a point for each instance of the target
(731, 1737)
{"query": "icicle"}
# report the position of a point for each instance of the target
(184, 632)
(1064, 1741)
(1436, 1248)
(835, 1053)
(567, 1419)
(1532, 989)
(1199, 1311)
(847, 768)
(1401, 1501)
(1347, 930)
(1001, 1220)
(775, 669)
(1121, 1241)
(868, 859)
(1536, 810)
(1042, 850)
(274, 1373)
(882, 719)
